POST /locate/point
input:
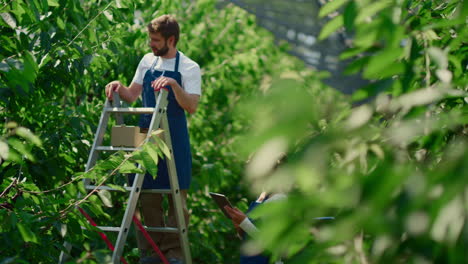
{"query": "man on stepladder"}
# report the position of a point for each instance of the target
(164, 67)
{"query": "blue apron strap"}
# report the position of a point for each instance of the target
(176, 68)
(154, 64)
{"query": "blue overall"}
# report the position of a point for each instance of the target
(178, 127)
(256, 259)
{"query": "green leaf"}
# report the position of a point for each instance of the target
(11, 125)
(26, 233)
(106, 197)
(15, 156)
(372, 9)
(4, 149)
(96, 207)
(331, 27)
(108, 14)
(144, 159)
(28, 135)
(117, 187)
(331, 6)
(9, 19)
(439, 57)
(71, 190)
(60, 23)
(351, 53)
(371, 90)
(30, 67)
(162, 146)
(349, 15)
(18, 10)
(102, 256)
(128, 167)
(152, 152)
(380, 62)
(112, 163)
(53, 3)
(356, 65)
(81, 187)
(464, 10)
(21, 148)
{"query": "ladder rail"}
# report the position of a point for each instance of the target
(176, 194)
(93, 156)
(98, 137)
(116, 103)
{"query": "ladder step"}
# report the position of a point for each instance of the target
(162, 229)
(109, 228)
(111, 148)
(92, 187)
(149, 229)
(130, 110)
(107, 188)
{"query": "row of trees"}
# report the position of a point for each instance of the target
(393, 171)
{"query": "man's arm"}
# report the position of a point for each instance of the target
(189, 102)
(240, 220)
(128, 94)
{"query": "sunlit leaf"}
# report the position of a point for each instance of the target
(332, 26)
(52, 3)
(9, 19)
(163, 147)
(371, 9)
(349, 15)
(4, 149)
(21, 148)
(128, 167)
(30, 67)
(146, 161)
(106, 197)
(331, 6)
(60, 23)
(359, 117)
(117, 187)
(379, 63)
(439, 57)
(26, 233)
(28, 135)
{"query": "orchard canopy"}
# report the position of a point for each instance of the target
(374, 122)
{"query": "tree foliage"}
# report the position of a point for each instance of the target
(392, 171)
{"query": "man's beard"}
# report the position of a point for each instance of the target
(163, 51)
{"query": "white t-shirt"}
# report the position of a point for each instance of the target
(190, 71)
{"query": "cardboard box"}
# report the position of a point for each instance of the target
(126, 136)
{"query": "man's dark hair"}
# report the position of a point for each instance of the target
(167, 26)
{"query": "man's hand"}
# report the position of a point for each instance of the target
(113, 86)
(236, 215)
(163, 81)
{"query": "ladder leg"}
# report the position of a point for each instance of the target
(176, 195)
(93, 155)
(127, 220)
(161, 103)
(64, 254)
(101, 130)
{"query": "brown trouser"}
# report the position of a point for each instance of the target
(153, 216)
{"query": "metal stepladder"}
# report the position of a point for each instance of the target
(158, 120)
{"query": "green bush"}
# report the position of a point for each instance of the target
(393, 172)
